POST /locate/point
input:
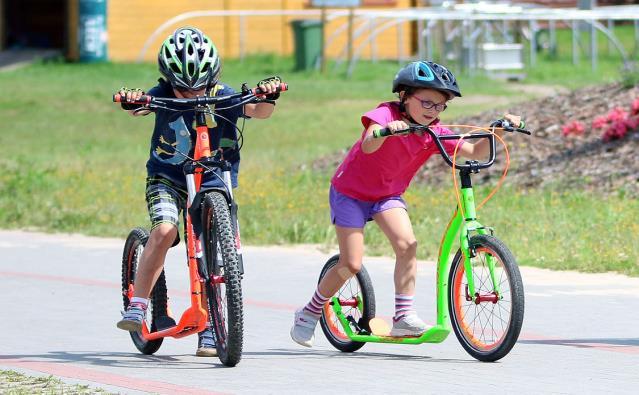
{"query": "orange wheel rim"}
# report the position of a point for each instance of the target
(333, 322)
(459, 299)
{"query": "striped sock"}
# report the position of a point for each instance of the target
(143, 303)
(314, 307)
(403, 306)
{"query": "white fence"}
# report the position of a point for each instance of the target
(457, 31)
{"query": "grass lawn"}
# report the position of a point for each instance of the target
(76, 162)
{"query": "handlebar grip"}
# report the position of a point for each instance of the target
(281, 88)
(383, 132)
(144, 99)
(503, 123)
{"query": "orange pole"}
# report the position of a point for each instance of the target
(72, 52)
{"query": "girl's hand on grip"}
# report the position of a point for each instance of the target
(397, 126)
(515, 120)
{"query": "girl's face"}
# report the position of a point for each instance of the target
(424, 105)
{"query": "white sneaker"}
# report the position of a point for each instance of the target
(408, 325)
(303, 330)
(132, 318)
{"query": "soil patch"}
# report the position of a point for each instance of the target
(547, 158)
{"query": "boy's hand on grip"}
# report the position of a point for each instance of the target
(269, 86)
(130, 96)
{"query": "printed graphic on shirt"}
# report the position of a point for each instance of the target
(172, 152)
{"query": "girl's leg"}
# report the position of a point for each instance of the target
(351, 247)
(396, 225)
(351, 251)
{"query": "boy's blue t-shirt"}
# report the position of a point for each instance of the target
(175, 131)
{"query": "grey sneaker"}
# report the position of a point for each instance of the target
(206, 344)
(132, 318)
(303, 330)
(408, 325)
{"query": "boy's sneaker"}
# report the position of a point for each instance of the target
(303, 330)
(206, 344)
(408, 325)
(132, 318)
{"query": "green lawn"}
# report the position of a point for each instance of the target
(76, 162)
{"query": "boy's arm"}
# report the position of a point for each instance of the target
(264, 109)
(259, 110)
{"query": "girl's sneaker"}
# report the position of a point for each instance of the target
(303, 330)
(408, 325)
(206, 344)
(132, 318)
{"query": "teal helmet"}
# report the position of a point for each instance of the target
(189, 60)
(426, 74)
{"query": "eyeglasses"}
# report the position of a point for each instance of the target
(427, 104)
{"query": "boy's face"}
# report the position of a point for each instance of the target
(187, 93)
(425, 105)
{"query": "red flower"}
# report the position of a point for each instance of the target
(600, 122)
(617, 114)
(574, 127)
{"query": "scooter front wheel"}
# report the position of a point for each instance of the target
(487, 324)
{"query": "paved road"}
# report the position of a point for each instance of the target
(60, 300)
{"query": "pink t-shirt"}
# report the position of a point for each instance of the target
(389, 170)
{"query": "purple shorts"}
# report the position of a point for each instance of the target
(352, 213)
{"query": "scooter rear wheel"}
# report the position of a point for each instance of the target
(358, 288)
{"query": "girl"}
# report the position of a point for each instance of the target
(370, 181)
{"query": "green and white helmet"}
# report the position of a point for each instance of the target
(189, 60)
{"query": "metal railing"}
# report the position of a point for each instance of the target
(462, 27)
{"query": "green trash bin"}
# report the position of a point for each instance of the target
(92, 30)
(308, 42)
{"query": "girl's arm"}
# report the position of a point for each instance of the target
(371, 144)
(480, 149)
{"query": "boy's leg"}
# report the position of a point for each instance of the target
(152, 259)
(396, 225)
(351, 246)
(206, 338)
(148, 271)
(163, 202)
